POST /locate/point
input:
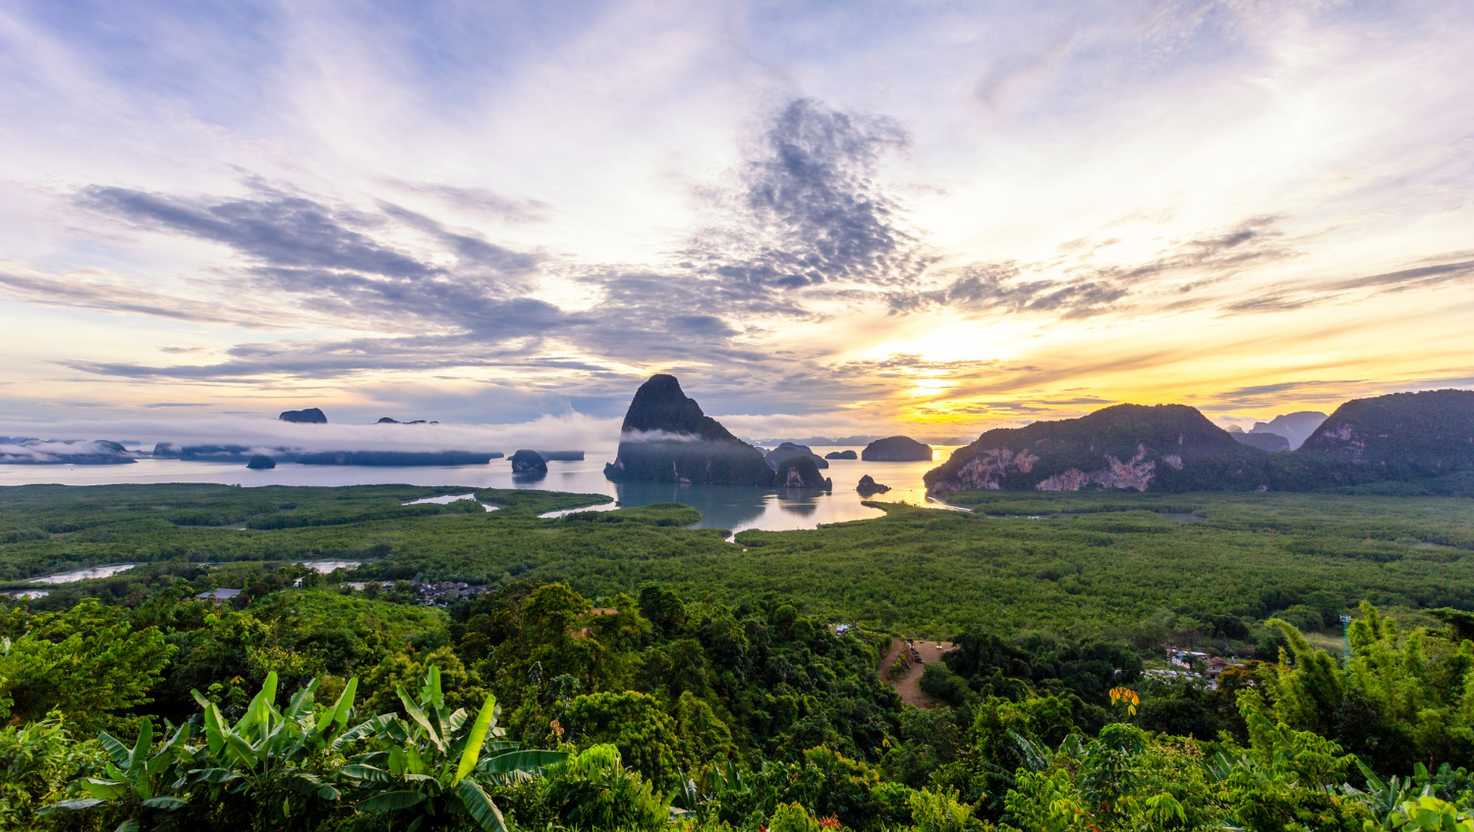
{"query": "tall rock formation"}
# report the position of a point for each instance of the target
(667, 438)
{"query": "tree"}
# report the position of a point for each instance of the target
(87, 663)
(437, 766)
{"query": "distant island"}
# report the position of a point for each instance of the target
(842, 455)
(309, 416)
(1422, 441)
(245, 453)
(528, 465)
(28, 450)
(896, 449)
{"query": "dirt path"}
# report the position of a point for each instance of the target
(909, 686)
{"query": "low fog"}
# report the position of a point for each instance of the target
(574, 432)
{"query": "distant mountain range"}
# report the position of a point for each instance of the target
(1294, 427)
(1175, 448)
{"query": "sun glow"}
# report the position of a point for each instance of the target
(949, 339)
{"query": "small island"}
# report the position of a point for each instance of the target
(868, 487)
(896, 449)
(261, 462)
(841, 455)
(528, 465)
(308, 416)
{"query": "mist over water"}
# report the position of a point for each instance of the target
(722, 507)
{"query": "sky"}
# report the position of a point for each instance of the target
(824, 218)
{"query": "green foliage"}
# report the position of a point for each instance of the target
(88, 664)
(669, 665)
(792, 817)
(940, 812)
(1092, 565)
(594, 791)
(1401, 698)
(37, 762)
(438, 767)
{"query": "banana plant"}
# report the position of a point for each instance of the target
(270, 754)
(438, 766)
(137, 781)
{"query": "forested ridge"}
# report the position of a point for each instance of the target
(619, 671)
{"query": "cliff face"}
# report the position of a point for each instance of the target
(1403, 435)
(1162, 448)
(667, 438)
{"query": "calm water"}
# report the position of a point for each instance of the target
(721, 507)
(86, 574)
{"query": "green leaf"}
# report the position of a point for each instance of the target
(338, 714)
(472, 752)
(78, 805)
(259, 711)
(168, 804)
(104, 789)
(397, 762)
(366, 773)
(430, 693)
(115, 748)
(391, 801)
(364, 729)
(128, 826)
(215, 776)
(145, 742)
(414, 713)
(214, 729)
(508, 765)
(479, 806)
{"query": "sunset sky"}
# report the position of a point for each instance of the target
(823, 217)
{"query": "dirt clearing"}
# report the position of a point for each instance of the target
(908, 686)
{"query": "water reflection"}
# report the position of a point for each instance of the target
(86, 574)
(26, 593)
(447, 499)
(327, 567)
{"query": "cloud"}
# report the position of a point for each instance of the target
(273, 228)
(1276, 302)
(478, 200)
(811, 211)
(1412, 277)
(78, 292)
(1079, 285)
(470, 249)
(987, 287)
